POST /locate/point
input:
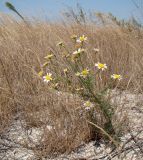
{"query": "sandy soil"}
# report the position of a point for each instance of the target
(129, 107)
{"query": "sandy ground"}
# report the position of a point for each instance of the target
(130, 106)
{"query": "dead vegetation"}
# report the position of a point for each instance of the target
(23, 93)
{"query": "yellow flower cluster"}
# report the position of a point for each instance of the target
(77, 53)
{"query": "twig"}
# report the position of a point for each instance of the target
(105, 133)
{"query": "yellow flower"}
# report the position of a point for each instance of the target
(116, 76)
(82, 39)
(40, 73)
(49, 56)
(101, 66)
(88, 105)
(61, 44)
(83, 74)
(48, 77)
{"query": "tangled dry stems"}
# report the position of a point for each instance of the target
(23, 48)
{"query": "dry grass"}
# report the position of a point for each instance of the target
(22, 51)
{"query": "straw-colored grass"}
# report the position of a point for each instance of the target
(22, 51)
